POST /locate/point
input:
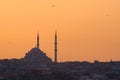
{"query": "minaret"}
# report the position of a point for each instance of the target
(55, 56)
(38, 41)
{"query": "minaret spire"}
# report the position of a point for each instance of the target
(55, 56)
(38, 41)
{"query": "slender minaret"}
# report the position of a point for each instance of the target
(38, 41)
(55, 57)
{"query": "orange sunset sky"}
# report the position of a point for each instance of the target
(87, 30)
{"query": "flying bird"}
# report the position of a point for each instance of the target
(53, 5)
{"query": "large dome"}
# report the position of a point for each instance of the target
(35, 55)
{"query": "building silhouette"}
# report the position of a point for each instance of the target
(36, 65)
(36, 55)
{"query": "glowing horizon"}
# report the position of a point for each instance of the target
(87, 30)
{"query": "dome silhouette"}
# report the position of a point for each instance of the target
(35, 55)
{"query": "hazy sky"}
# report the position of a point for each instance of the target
(87, 29)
